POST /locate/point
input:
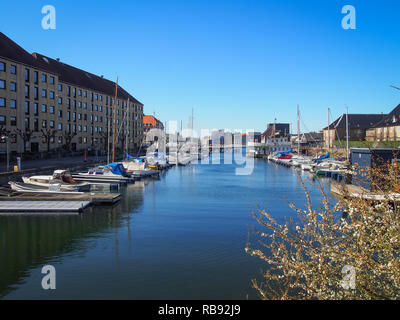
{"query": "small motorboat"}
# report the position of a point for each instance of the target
(62, 178)
(139, 168)
(111, 173)
(32, 188)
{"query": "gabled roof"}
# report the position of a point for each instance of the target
(81, 78)
(11, 51)
(392, 119)
(149, 119)
(66, 73)
(280, 129)
(356, 121)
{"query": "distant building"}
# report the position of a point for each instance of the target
(151, 122)
(388, 129)
(310, 139)
(276, 130)
(277, 137)
(358, 126)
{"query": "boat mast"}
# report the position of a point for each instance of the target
(115, 119)
(329, 132)
(347, 133)
(298, 130)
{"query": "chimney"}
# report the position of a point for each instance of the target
(34, 55)
(58, 59)
(102, 76)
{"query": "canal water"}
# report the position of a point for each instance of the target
(179, 237)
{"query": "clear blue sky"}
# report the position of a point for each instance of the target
(239, 64)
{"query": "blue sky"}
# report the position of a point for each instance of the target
(239, 64)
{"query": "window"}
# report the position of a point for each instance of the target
(74, 92)
(59, 100)
(101, 98)
(79, 128)
(85, 94)
(13, 121)
(27, 74)
(68, 116)
(51, 124)
(51, 93)
(35, 77)
(51, 109)
(13, 104)
(3, 120)
(13, 69)
(79, 104)
(74, 116)
(60, 113)
(68, 91)
(60, 138)
(51, 80)
(59, 127)
(36, 124)
(44, 123)
(2, 102)
(13, 86)
(26, 107)
(36, 109)
(26, 91)
(44, 77)
(44, 108)
(79, 116)
(26, 123)
(2, 84)
(44, 93)
(36, 93)
(96, 107)
(69, 103)
(96, 96)
(2, 66)
(60, 87)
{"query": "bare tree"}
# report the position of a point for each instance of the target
(26, 135)
(47, 134)
(68, 136)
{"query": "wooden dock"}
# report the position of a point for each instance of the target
(94, 198)
(12, 207)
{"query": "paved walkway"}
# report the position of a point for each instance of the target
(42, 163)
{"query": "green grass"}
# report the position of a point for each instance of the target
(368, 144)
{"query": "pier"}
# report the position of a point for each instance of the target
(12, 207)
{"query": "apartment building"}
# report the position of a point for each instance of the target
(150, 122)
(46, 104)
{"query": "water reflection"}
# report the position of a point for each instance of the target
(27, 241)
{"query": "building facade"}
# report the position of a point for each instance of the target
(47, 105)
(358, 125)
(388, 129)
(151, 122)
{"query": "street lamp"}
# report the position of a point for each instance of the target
(8, 152)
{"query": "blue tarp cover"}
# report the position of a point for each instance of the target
(117, 168)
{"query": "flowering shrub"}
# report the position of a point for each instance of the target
(346, 250)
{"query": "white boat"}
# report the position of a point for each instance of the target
(112, 173)
(157, 160)
(139, 167)
(62, 178)
(31, 188)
